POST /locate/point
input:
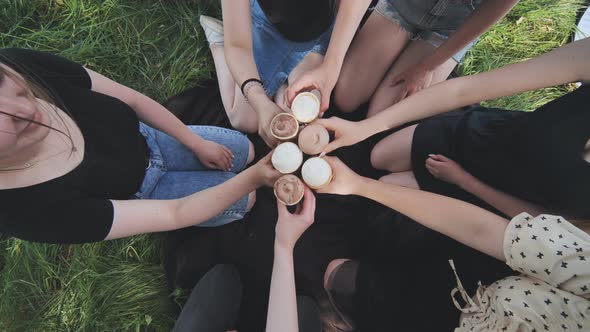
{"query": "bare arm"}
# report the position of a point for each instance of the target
(482, 18)
(419, 77)
(157, 116)
(464, 222)
(566, 64)
(282, 302)
(563, 65)
(324, 77)
(450, 171)
(239, 54)
(133, 217)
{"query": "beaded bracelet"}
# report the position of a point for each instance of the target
(245, 87)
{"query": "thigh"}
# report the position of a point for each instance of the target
(387, 95)
(173, 185)
(177, 157)
(370, 55)
(394, 152)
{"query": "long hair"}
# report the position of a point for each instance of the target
(34, 90)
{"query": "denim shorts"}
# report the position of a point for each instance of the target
(174, 171)
(276, 56)
(430, 20)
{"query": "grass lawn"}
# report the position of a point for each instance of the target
(157, 48)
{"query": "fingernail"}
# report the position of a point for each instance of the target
(431, 155)
(322, 154)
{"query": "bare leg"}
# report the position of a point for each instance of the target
(240, 113)
(394, 152)
(404, 179)
(370, 55)
(414, 53)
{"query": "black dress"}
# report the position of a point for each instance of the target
(536, 156)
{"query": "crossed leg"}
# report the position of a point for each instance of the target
(394, 154)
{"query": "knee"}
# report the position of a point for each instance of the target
(377, 160)
(250, 152)
(330, 269)
(345, 101)
(251, 200)
(240, 122)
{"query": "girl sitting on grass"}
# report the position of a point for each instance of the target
(73, 154)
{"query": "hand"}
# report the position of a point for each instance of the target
(266, 174)
(290, 226)
(446, 169)
(344, 180)
(320, 79)
(214, 155)
(346, 133)
(264, 118)
(414, 79)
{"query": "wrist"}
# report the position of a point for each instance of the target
(466, 182)
(282, 249)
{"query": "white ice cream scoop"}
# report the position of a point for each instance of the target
(306, 107)
(316, 172)
(287, 158)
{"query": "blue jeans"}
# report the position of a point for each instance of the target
(275, 55)
(430, 20)
(174, 171)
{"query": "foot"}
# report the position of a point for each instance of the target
(213, 29)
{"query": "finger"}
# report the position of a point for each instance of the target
(229, 158)
(435, 156)
(282, 209)
(396, 80)
(333, 146)
(325, 102)
(229, 151)
(330, 124)
(226, 162)
(442, 157)
(432, 171)
(308, 204)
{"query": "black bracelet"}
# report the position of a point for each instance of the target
(248, 81)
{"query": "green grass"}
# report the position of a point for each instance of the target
(157, 48)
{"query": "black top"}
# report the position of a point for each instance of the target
(537, 156)
(75, 208)
(300, 20)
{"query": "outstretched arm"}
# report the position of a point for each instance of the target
(563, 65)
(132, 217)
(324, 77)
(282, 302)
(239, 55)
(464, 222)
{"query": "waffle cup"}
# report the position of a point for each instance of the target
(316, 173)
(306, 107)
(289, 189)
(275, 126)
(286, 158)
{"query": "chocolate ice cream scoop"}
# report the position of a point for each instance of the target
(289, 189)
(284, 126)
(313, 139)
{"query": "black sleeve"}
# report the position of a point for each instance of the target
(68, 221)
(44, 68)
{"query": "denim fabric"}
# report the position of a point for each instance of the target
(276, 56)
(174, 171)
(430, 20)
